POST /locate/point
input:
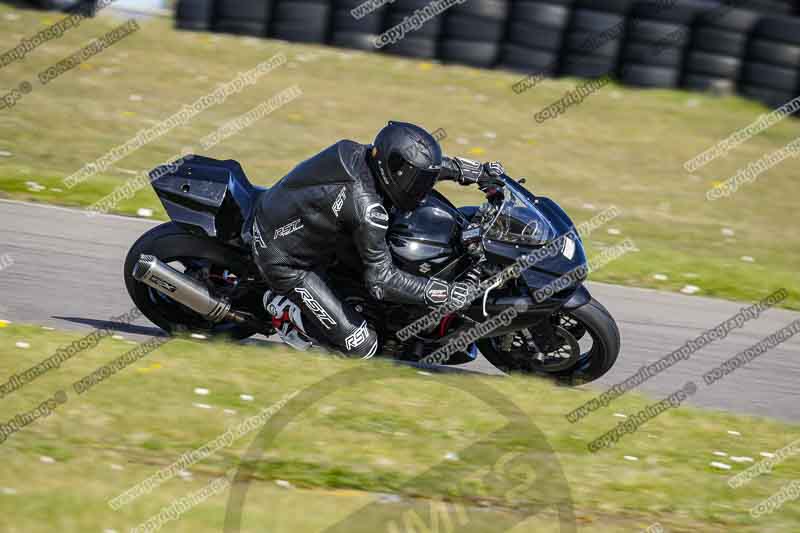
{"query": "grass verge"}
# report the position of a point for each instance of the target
(359, 441)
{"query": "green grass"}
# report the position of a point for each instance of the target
(359, 440)
(621, 146)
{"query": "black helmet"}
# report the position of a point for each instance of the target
(406, 161)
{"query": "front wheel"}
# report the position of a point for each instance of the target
(588, 347)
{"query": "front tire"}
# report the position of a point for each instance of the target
(588, 322)
(171, 243)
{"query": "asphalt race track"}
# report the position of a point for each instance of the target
(67, 273)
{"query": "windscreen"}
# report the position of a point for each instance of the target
(520, 222)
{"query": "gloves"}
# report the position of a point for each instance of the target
(439, 292)
(491, 176)
(485, 175)
(494, 168)
(459, 294)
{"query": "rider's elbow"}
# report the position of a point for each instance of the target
(375, 290)
(374, 284)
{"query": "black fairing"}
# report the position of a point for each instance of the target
(550, 267)
(213, 195)
(426, 240)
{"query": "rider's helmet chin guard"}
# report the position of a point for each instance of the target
(406, 161)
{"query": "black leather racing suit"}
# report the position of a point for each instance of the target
(296, 228)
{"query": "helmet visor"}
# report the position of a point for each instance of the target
(413, 183)
(423, 185)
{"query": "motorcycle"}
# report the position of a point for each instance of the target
(196, 273)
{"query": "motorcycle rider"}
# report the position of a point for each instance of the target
(346, 192)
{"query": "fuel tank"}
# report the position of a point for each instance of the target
(425, 240)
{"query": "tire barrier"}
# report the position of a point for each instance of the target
(748, 46)
(300, 21)
(535, 35)
(348, 31)
(472, 32)
(771, 7)
(423, 43)
(242, 17)
(594, 38)
(771, 71)
(85, 7)
(657, 39)
(195, 15)
(717, 49)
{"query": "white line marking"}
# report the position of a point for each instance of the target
(80, 212)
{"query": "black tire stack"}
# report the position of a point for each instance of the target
(56, 5)
(771, 72)
(594, 38)
(300, 21)
(695, 44)
(242, 17)
(657, 38)
(769, 7)
(473, 31)
(535, 34)
(350, 32)
(717, 49)
(422, 43)
(196, 15)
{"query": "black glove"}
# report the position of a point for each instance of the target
(491, 175)
(439, 292)
(485, 175)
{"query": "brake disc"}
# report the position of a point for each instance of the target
(562, 358)
(569, 323)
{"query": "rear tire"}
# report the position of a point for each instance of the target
(598, 324)
(168, 242)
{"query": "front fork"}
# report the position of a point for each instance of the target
(537, 320)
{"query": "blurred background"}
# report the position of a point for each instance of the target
(749, 47)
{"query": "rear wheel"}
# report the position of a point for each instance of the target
(202, 258)
(588, 346)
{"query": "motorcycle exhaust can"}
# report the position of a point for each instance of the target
(185, 290)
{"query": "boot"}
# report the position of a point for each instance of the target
(287, 321)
